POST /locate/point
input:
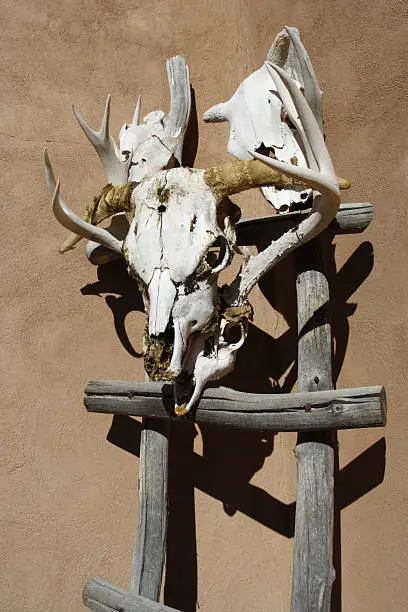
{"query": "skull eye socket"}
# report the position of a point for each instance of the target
(232, 333)
(215, 259)
(216, 254)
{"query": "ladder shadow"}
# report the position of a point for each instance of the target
(223, 471)
(189, 470)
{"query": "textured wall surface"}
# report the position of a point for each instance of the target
(69, 495)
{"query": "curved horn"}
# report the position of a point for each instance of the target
(236, 176)
(110, 201)
(323, 180)
(324, 206)
(116, 170)
(49, 174)
(70, 220)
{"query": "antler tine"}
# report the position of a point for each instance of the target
(325, 180)
(136, 114)
(97, 139)
(312, 178)
(292, 113)
(311, 128)
(116, 170)
(176, 122)
(49, 174)
(72, 222)
(324, 207)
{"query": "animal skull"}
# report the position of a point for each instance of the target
(182, 235)
(176, 248)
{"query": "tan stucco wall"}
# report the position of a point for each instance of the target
(69, 497)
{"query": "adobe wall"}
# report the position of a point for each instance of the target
(69, 499)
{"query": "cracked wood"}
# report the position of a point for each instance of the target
(336, 409)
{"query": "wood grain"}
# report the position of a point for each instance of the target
(100, 596)
(351, 219)
(149, 550)
(313, 572)
(337, 409)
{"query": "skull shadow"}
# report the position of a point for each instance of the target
(224, 471)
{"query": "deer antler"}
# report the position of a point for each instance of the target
(116, 170)
(70, 220)
(176, 121)
(323, 179)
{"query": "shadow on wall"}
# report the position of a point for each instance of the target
(223, 471)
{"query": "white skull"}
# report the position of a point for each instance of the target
(182, 233)
(177, 245)
(208, 360)
(146, 147)
(133, 134)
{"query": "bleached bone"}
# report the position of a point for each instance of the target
(324, 207)
(139, 141)
(170, 251)
(280, 49)
(180, 239)
(136, 114)
(255, 113)
(133, 135)
(98, 254)
(176, 122)
(116, 170)
(177, 222)
(152, 155)
(212, 366)
(182, 236)
(70, 221)
(145, 148)
(299, 66)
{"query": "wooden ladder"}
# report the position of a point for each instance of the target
(316, 412)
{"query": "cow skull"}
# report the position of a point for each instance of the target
(182, 235)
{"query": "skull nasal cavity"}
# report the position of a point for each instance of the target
(161, 208)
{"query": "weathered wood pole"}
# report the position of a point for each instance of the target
(313, 572)
(307, 411)
(100, 596)
(149, 551)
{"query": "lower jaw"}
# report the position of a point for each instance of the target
(183, 391)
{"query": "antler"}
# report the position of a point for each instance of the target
(176, 121)
(136, 114)
(70, 220)
(116, 170)
(322, 179)
(237, 176)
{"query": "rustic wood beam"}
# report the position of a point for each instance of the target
(100, 596)
(337, 409)
(313, 572)
(149, 550)
(351, 219)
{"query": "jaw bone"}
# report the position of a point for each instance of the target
(211, 366)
